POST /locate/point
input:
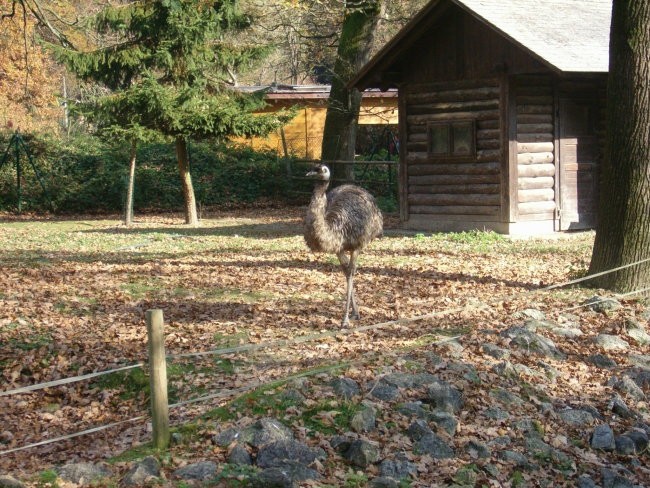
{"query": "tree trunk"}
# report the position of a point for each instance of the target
(191, 217)
(340, 131)
(128, 212)
(623, 234)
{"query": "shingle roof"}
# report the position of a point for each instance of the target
(570, 35)
(566, 35)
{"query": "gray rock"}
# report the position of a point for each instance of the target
(568, 332)
(517, 458)
(640, 360)
(226, 437)
(477, 449)
(293, 396)
(602, 361)
(530, 313)
(418, 429)
(506, 397)
(7, 481)
(280, 453)
(603, 304)
(525, 339)
(239, 455)
(142, 472)
(612, 479)
(505, 369)
(399, 380)
(414, 409)
(496, 413)
(640, 336)
(200, 471)
(585, 481)
(495, 351)
(385, 392)
(576, 417)
(619, 407)
(610, 342)
(288, 475)
(266, 431)
(398, 468)
(443, 396)
(641, 378)
(627, 386)
(364, 420)
(341, 443)
(345, 387)
(640, 439)
(361, 453)
(434, 446)
(83, 473)
(603, 438)
(446, 421)
(383, 482)
(624, 445)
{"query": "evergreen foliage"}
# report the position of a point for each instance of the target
(169, 73)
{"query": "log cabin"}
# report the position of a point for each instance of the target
(501, 113)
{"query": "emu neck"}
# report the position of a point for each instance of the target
(318, 235)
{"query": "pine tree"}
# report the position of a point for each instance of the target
(170, 75)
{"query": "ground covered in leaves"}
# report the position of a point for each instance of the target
(73, 296)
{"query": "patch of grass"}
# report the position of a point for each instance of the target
(30, 342)
(139, 290)
(234, 476)
(235, 294)
(134, 454)
(329, 419)
(355, 480)
(223, 341)
(47, 479)
(518, 479)
(132, 383)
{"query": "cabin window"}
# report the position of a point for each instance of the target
(452, 139)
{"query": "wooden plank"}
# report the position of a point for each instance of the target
(535, 119)
(468, 179)
(536, 208)
(475, 115)
(528, 138)
(487, 124)
(454, 199)
(438, 94)
(158, 378)
(535, 147)
(488, 134)
(488, 144)
(538, 195)
(535, 109)
(455, 169)
(452, 107)
(535, 158)
(509, 168)
(535, 100)
(454, 189)
(535, 183)
(403, 172)
(534, 128)
(535, 170)
(455, 210)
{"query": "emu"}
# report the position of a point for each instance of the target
(344, 220)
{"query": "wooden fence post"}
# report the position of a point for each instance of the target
(158, 378)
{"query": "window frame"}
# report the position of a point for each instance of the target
(449, 125)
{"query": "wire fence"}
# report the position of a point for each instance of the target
(294, 341)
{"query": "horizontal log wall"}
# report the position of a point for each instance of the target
(535, 148)
(462, 189)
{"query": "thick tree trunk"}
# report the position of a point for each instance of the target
(340, 131)
(191, 217)
(623, 234)
(128, 212)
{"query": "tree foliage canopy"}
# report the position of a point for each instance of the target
(169, 71)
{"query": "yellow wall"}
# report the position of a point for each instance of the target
(304, 134)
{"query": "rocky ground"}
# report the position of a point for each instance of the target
(517, 406)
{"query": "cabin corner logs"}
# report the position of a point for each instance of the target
(535, 154)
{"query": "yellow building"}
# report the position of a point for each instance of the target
(303, 136)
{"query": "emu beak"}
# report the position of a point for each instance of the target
(311, 173)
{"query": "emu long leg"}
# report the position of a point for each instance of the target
(349, 266)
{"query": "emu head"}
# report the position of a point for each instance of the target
(319, 172)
